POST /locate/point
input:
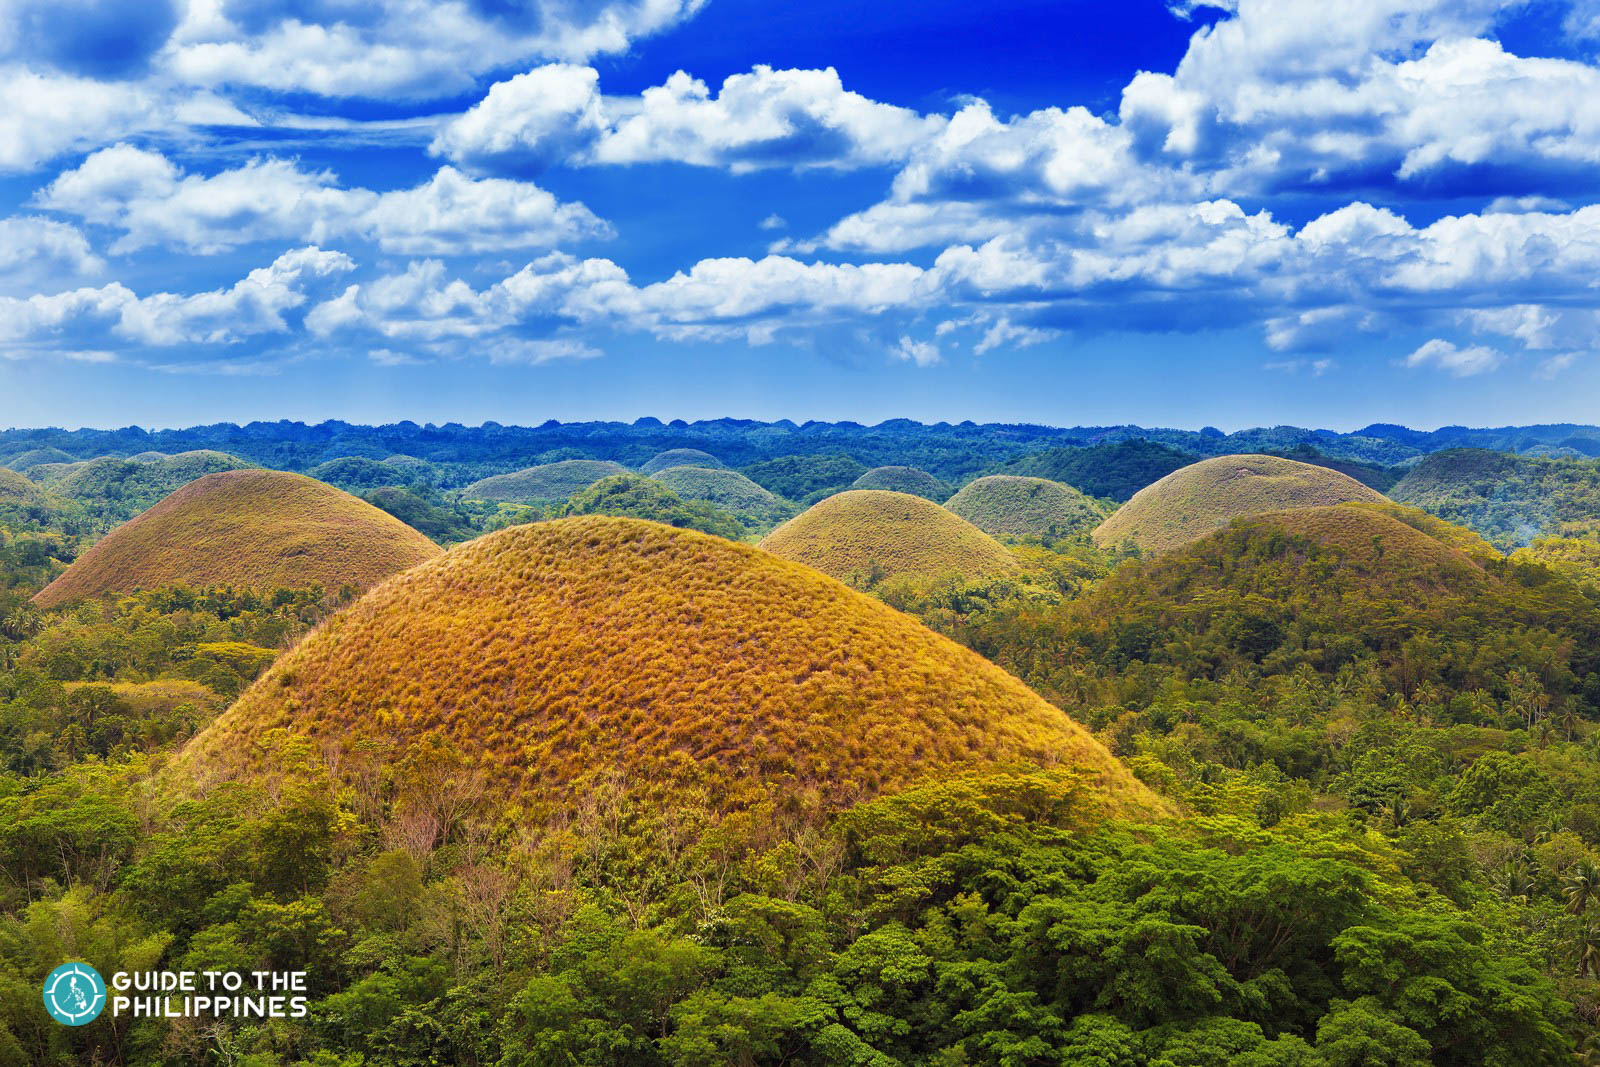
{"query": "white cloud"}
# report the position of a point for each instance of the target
(765, 118)
(36, 252)
(1461, 362)
(774, 221)
(922, 353)
(154, 203)
(114, 316)
(402, 49)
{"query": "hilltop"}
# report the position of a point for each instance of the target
(866, 535)
(251, 528)
(22, 462)
(1511, 500)
(1006, 505)
(546, 483)
(680, 457)
(904, 480)
(1205, 496)
(724, 488)
(561, 654)
(17, 490)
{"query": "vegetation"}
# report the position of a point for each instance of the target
(681, 457)
(111, 490)
(444, 524)
(22, 462)
(546, 483)
(806, 479)
(1115, 471)
(561, 655)
(865, 536)
(755, 508)
(256, 529)
(1371, 475)
(1005, 505)
(355, 474)
(637, 497)
(1206, 496)
(1510, 500)
(904, 480)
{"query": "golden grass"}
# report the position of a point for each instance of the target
(547, 482)
(1375, 538)
(250, 528)
(1203, 497)
(1007, 505)
(565, 653)
(903, 480)
(875, 534)
(680, 457)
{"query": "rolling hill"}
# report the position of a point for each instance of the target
(18, 491)
(356, 474)
(1206, 496)
(680, 457)
(866, 535)
(1115, 470)
(114, 490)
(726, 489)
(562, 654)
(904, 480)
(546, 483)
(22, 462)
(1005, 505)
(252, 528)
(1511, 500)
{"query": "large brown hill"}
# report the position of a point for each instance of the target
(246, 528)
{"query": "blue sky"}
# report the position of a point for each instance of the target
(1244, 213)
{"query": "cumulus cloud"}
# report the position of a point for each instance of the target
(1461, 362)
(922, 353)
(765, 118)
(36, 252)
(401, 49)
(113, 316)
(153, 202)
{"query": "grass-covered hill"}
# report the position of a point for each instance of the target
(1206, 496)
(1008, 505)
(22, 462)
(546, 483)
(680, 457)
(904, 480)
(251, 528)
(1511, 500)
(724, 488)
(563, 654)
(633, 496)
(865, 536)
(114, 490)
(17, 490)
(1115, 470)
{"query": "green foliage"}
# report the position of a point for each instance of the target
(904, 480)
(806, 479)
(547, 483)
(1114, 471)
(637, 497)
(1510, 500)
(443, 524)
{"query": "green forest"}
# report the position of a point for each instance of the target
(1373, 728)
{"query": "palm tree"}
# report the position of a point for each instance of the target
(1583, 886)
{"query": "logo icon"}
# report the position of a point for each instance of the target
(74, 994)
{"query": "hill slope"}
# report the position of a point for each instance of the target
(724, 488)
(680, 457)
(865, 535)
(1206, 496)
(561, 653)
(255, 528)
(904, 480)
(1007, 505)
(548, 482)
(1115, 470)
(16, 490)
(1508, 499)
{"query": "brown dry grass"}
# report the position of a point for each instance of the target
(249, 528)
(1204, 497)
(566, 653)
(873, 533)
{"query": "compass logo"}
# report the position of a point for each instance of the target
(74, 994)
